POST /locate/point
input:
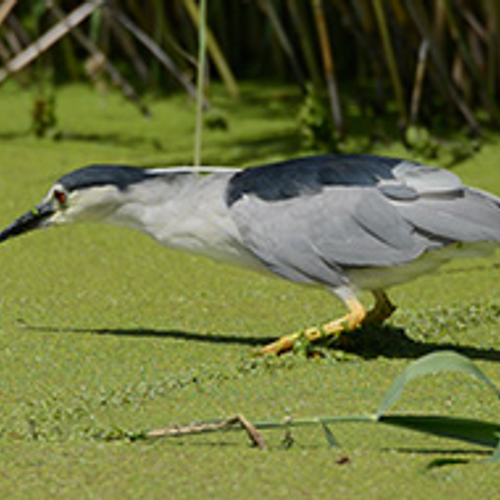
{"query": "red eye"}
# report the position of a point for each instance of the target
(60, 196)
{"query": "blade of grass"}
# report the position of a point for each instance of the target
(438, 362)
(492, 15)
(202, 25)
(298, 14)
(419, 81)
(390, 60)
(472, 431)
(283, 39)
(330, 438)
(328, 66)
(438, 29)
(215, 52)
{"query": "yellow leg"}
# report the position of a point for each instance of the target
(357, 316)
(349, 322)
(381, 311)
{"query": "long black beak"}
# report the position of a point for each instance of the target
(34, 219)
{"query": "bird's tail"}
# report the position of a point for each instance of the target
(495, 202)
(468, 216)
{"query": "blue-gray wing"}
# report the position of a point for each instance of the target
(312, 218)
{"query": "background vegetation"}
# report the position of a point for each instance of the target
(429, 68)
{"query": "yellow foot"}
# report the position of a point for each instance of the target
(332, 329)
(282, 345)
(356, 317)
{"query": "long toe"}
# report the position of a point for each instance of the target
(280, 346)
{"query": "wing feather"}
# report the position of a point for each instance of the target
(311, 219)
(313, 238)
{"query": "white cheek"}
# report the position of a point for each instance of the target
(63, 217)
(57, 219)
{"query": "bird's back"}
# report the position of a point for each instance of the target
(313, 219)
(309, 175)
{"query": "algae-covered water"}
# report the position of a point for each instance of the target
(103, 333)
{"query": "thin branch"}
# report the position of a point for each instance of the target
(5, 8)
(224, 424)
(52, 36)
(129, 48)
(13, 41)
(418, 14)
(473, 67)
(156, 50)
(113, 73)
(18, 28)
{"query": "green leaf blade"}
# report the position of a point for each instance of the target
(330, 438)
(438, 362)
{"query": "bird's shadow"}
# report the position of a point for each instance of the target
(368, 343)
(211, 338)
(393, 343)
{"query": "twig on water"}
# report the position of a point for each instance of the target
(224, 424)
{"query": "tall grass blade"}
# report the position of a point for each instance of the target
(328, 67)
(298, 16)
(200, 84)
(438, 362)
(472, 431)
(215, 51)
(492, 15)
(391, 62)
(283, 39)
(419, 81)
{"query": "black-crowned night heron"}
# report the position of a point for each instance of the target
(344, 223)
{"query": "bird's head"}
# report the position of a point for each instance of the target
(88, 194)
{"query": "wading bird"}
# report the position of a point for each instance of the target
(342, 222)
